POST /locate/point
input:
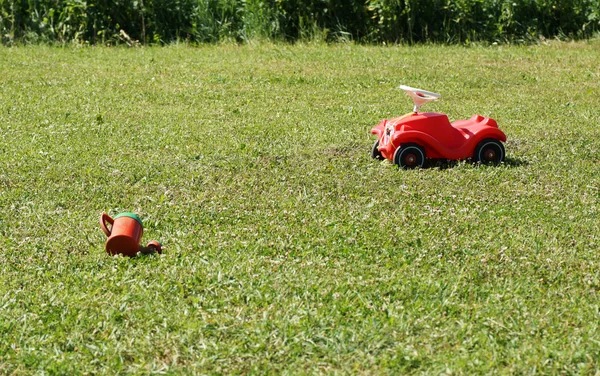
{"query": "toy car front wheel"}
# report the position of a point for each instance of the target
(489, 151)
(375, 153)
(409, 156)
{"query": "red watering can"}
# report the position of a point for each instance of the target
(125, 234)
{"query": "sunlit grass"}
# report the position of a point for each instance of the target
(287, 249)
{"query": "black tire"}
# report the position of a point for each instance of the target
(375, 153)
(489, 152)
(409, 156)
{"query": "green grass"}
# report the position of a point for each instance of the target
(287, 248)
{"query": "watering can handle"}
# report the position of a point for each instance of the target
(104, 218)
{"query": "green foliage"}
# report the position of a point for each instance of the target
(494, 20)
(165, 21)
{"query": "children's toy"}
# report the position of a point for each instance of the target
(409, 139)
(125, 234)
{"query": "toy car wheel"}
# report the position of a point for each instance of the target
(409, 156)
(489, 151)
(375, 153)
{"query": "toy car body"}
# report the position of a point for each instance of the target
(410, 139)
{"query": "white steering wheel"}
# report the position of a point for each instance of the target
(420, 97)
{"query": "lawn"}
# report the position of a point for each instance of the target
(287, 249)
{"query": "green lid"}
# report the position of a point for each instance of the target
(130, 215)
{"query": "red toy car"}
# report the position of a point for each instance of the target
(409, 139)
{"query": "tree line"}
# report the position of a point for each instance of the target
(363, 21)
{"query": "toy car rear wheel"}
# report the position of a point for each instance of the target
(489, 152)
(375, 153)
(409, 156)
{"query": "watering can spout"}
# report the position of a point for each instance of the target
(151, 247)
